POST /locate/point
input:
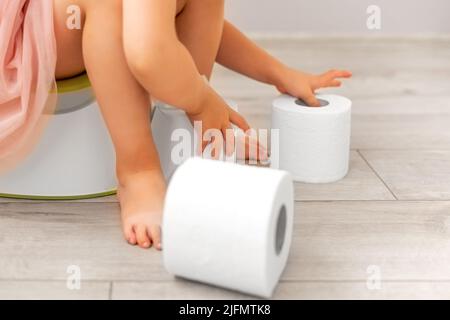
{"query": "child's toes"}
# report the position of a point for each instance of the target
(142, 236)
(129, 234)
(155, 232)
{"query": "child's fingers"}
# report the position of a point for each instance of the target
(230, 140)
(238, 120)
(201, 143)
(241, 123)
(216, 147)
(329, 79)
(251, 146)
(333, 74)
(335, 83)
(203, 139)
(311, 100)
(345, 74)
(204, 145)
(263, 154)
(254, 144)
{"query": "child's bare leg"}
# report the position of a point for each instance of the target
(199, 28)
(125, 107)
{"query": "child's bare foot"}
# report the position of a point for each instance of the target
(141, 196)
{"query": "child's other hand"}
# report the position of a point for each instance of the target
(214, 113)
(303, 85)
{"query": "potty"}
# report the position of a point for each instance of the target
(74, 158)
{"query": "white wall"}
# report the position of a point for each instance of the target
(287, 17)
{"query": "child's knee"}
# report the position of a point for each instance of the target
(142, 61)
(147, 56)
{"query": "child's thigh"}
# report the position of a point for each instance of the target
(69, 39)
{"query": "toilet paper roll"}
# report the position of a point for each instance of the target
(173, 135)
(314, 142)
(228, 225)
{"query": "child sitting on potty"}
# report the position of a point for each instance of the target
(135, 51)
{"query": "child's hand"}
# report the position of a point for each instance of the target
(303, 85)
(214, 113)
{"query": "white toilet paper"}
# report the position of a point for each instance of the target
(314, 142)
(228, 225)
(173, 135)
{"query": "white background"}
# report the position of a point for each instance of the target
(293, 17)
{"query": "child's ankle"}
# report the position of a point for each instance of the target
(125, 175)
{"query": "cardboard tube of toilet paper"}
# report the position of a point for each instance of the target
(313, 142)
(228, 225)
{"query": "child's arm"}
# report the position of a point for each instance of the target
(240, 54)
(164, 67)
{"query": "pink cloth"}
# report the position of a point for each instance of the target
(27, 75)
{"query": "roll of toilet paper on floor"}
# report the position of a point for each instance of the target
(228, 225)
(174, 137)
(314, 142)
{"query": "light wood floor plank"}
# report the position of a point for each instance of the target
(308, 290)
(361, 183)
(407, 290)
(52, 290)
(177, 289)
(332, 241)
(40, 240)
(400, 132)
(403, 105)
(341, 240)
(413, 174)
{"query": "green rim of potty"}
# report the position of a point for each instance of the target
(59, 198)
(76, 83)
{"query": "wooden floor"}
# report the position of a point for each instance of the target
(389, 217)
